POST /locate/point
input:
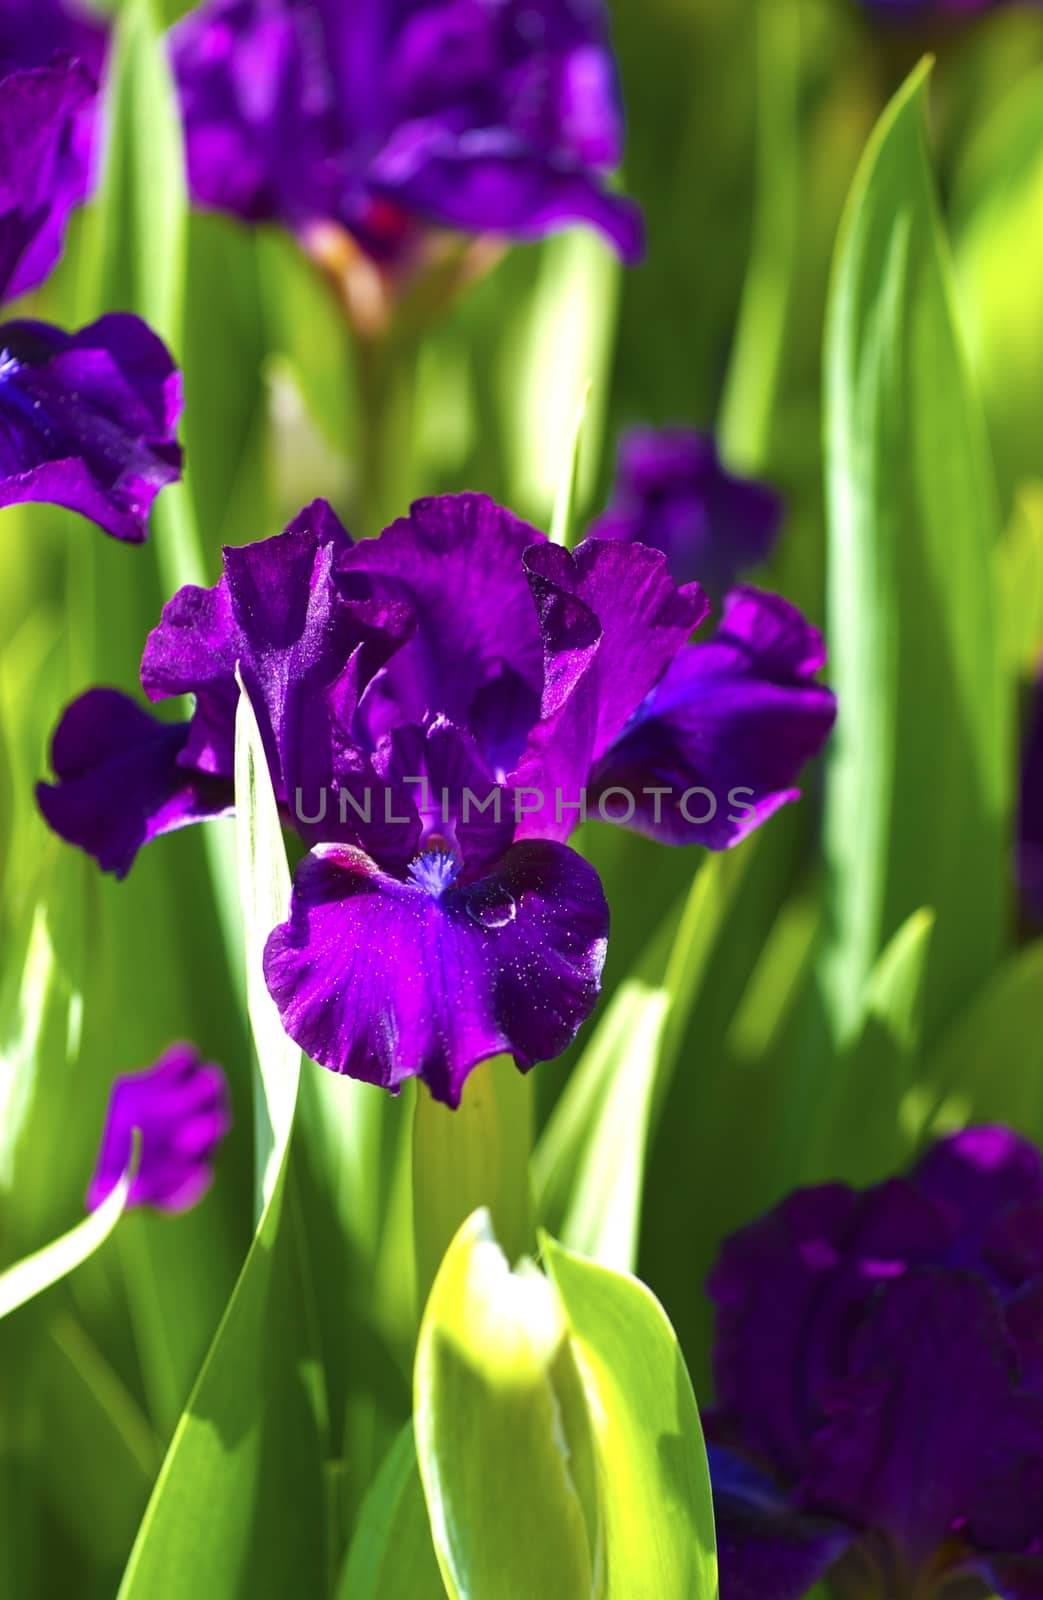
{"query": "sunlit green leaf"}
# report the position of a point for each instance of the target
(919, 776)
(502, 1436)
(653, 1478)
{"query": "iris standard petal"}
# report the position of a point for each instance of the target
(88, 420)
(386, 980)
(42, 174)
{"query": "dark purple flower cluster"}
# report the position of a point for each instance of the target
(180, 1110)
(87, 420)
(879, 1374)
(498, 116)
(440, 706)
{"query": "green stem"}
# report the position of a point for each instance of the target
(477, 1155)
(385, 382)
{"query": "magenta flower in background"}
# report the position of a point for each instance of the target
(673, 492)
(180, 1107)
(439, 705)
(485, 116)
(1030, 841)
(879, 1372)
(88, 420)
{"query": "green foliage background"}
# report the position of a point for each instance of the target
(859, 315)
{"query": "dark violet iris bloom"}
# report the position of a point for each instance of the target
(1030, 844)
(438, 706)
(673, 492)
(180, 1107)
(88, 419)
(486, 116)
(879, 1372)
(34, 32)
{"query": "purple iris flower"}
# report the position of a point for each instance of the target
(88, 419)
(439, 707)
(879, 1373)
(485, 116)
(34, 32)
(673, 492)
(1030, 843)
(180, 1107)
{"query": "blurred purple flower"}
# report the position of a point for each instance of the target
(34, 32)
(180, 1107)
(879, 1373)
(88, 420)
(673, 492)
(1030, 842)
(486, 116)
(437, 706)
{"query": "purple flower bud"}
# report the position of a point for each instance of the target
(180, 1108)
(673, 492)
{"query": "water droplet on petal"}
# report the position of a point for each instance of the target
(491, 905)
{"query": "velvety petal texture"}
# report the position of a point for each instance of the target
(433, 705)
(879, 1355)
(33, 32)
(497, 116)
(673, 492)
(42, 174)
(88, 420)
(181, 1110)
(387, 980)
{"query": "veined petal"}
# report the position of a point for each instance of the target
(88, 420)
(119, 781)
(385, 980)
(456, 562)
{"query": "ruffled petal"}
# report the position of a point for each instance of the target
(926, 1429)
(725, 734)
(766, 1549)
(41, 171)
(181, 1110)
(492, 180)
(790, 1289)
(612, 621)
(456, 562)
(386, 980)
(119, 781)
(89, 420)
